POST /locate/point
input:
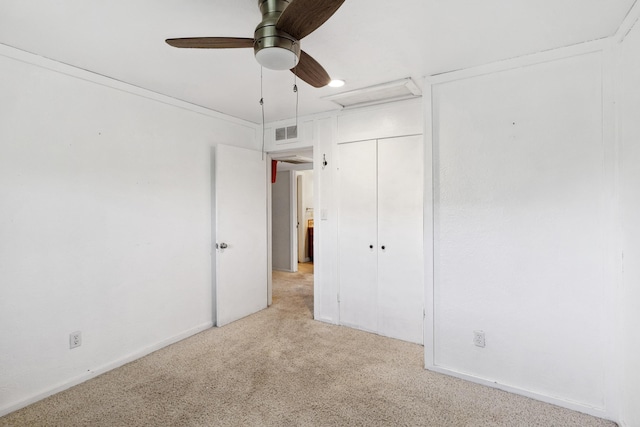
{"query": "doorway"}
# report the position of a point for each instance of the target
(292, 216)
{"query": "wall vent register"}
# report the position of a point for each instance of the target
(284, 133)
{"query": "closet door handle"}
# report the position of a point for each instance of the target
(370, 246)
(383, 247)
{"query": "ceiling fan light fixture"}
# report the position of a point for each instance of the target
(277, 58)
(336, 83)
(276, 39)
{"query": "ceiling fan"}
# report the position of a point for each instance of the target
(276, 41)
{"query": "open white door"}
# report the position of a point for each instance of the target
(241, 233)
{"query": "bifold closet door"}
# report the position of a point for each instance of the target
(400, 238)
(357, 228)
(380, 226)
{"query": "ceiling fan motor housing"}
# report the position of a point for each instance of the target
(267, 37)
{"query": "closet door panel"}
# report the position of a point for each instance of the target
(400, 226)
(357, 229)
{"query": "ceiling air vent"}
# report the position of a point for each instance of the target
(378, 94)
(289, 132)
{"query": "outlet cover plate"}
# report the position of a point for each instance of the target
(75, 339)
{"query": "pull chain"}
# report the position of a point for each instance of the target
(295, 90)
(262, 108)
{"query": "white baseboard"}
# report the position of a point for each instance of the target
(328, 320)
(574, 406)
(4, 410)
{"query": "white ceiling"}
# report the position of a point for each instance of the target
(366, 42)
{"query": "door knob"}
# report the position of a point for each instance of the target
(370, 246)
(383, 247)
(223, 246)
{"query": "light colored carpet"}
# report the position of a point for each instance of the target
(281, 368)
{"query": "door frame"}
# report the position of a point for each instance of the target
(295, 218)
(269, 232)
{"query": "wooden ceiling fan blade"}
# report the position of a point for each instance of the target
(211, 42)
(309, 70)
(302, 17)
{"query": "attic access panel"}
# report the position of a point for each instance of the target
(378, 94)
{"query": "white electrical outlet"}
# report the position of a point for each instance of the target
(75, 339)
(478, 338)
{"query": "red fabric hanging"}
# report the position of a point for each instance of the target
(274, 170)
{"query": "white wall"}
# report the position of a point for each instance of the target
(380, 121)
(282, 208)
(105, 223)
(520, 230)
(325, 245)
(629, 128)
